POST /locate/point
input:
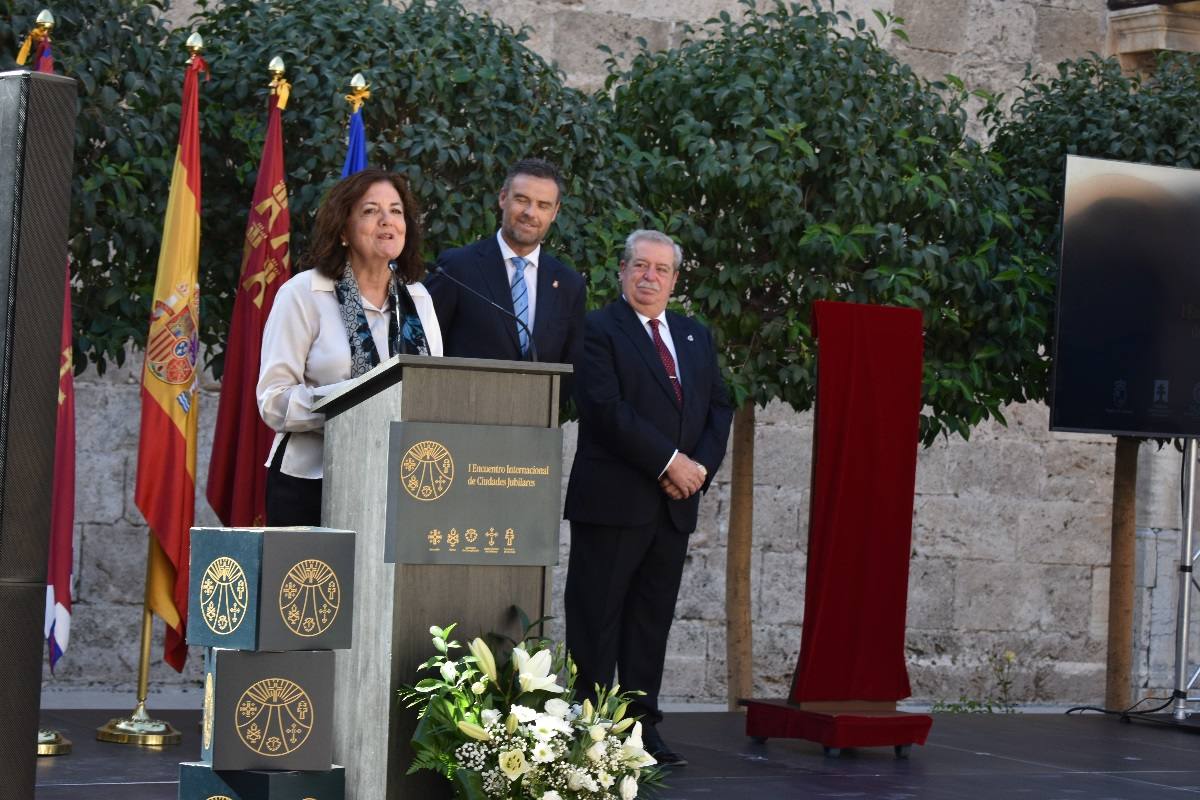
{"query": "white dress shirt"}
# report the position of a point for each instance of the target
(306, 355)
(531, 272)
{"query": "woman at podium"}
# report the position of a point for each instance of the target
(356, 301)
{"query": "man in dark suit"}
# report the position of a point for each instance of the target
(513, 271)
(651, 436)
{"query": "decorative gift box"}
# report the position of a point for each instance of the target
(272, 589)
(268, 710)
(199, 781)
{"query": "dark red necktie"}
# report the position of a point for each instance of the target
(667, 361)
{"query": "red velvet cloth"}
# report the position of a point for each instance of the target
(773, 720)
(860, 524)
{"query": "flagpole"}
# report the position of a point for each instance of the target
(140, 728)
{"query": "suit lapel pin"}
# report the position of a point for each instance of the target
(554, 285)
(691, 338)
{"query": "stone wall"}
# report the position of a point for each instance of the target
(1010, 539)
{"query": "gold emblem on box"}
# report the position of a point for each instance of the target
(426, 471)
(274, 717)
(309, 597)
(223, 596)
(208, 712)
(219, 797)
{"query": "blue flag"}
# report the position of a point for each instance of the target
(356, 150)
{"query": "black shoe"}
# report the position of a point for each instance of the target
(653, 743)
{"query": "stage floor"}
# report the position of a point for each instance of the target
(976, 756)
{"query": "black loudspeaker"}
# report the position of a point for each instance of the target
(37, 136)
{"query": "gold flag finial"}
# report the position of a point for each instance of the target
(194, 44)
(360, 90)
(279, 87)
(41, 30)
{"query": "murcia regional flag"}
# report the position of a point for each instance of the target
(237, 477)
(166, 474)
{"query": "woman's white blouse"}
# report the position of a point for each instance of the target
(306, 355)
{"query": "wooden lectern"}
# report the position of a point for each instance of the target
(396, 603)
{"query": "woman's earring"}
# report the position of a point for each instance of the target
(343, 242)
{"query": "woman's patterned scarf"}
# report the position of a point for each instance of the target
(363, 354)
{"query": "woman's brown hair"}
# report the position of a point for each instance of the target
(326, 253)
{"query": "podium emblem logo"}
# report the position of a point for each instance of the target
(274, 717)
(309, 597)
(223, 596)
(426, 471)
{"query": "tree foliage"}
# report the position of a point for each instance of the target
(128, 67)
(797, 160)
(456, 97)
(1090, 108)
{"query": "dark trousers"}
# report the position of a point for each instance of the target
(291, 500)
(620, 601)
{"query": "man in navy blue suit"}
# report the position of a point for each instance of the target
(654, 418)
(513, 270)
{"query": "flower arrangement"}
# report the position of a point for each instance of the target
(511, 731)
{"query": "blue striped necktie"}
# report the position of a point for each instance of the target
(520, 298)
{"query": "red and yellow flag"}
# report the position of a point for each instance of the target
(62, 504)
(237, 477)
(166, 475)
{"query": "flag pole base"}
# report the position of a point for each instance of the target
(140, 729)
(52, 743)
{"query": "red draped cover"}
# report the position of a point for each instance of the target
(860, 528)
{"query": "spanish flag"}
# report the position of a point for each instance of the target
(166, 473)
(237, 475)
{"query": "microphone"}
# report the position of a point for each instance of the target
(395, 296)
(438, 269)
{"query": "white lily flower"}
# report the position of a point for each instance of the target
(534, 671)
(606, 780)
(483, 658)
(632, 751)
(512, 764)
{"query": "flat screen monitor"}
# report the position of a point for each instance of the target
(1127, 331)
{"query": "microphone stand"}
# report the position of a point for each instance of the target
(438, 269)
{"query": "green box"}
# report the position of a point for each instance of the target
(268, 710)
(271, 589)
(198, 781)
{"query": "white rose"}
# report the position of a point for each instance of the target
(478, 687)
(551, 795)
(490, 716)
(628, 787)
(575, 780)
(597, 732)
(558, 708)
(596, 752)
(523, 713)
